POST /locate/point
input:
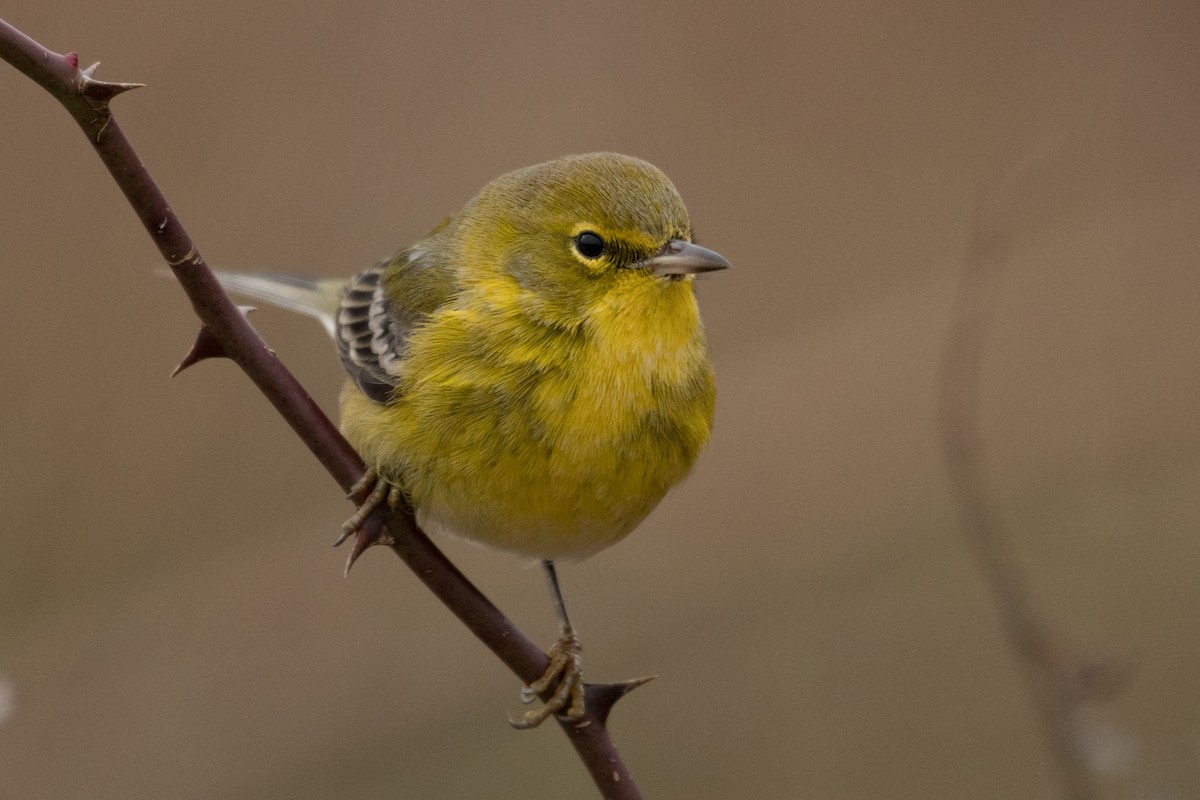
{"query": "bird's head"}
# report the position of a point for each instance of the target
(581, 230)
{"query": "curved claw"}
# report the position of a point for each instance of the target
(363, 484)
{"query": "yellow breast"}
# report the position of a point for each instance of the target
(544, 441)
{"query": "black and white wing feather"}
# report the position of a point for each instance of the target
(371, 317)
(370, 341)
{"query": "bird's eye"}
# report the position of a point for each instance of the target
(589, 245)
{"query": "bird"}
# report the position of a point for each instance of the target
(533, 375)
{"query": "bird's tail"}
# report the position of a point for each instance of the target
(311, 296)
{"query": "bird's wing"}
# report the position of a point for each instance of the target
(378, 311)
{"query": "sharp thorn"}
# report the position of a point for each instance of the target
(99, 92)
(104, 91)
(372, 533)
(356, 550)
(120, 88)
(205, 346)
(601, 697)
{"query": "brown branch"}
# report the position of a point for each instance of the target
(226, 332)
(1061, 682)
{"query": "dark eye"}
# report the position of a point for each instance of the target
(589, 244)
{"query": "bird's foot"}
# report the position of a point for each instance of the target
(370, 492)
(373, 491)
(566, 668)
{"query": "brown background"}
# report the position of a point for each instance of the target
(173, 623)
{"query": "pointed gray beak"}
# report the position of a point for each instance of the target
(681, 258)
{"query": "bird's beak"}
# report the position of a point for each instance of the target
(679, 258)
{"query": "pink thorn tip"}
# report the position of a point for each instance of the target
(72, 59)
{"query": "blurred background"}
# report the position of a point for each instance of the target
(173, 622)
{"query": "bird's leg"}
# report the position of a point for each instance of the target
(566, 669)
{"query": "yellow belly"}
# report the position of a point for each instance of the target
(551, 445)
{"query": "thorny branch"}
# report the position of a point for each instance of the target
(227, 333)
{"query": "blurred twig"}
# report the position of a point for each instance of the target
(1062, 683)
(227, 333)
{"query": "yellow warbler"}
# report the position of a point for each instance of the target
(533, 374)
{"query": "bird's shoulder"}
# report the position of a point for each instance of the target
(380, 308)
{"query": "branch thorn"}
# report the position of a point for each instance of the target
(104, 91)
(371, 533)
(205, 346)
(601, 697)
